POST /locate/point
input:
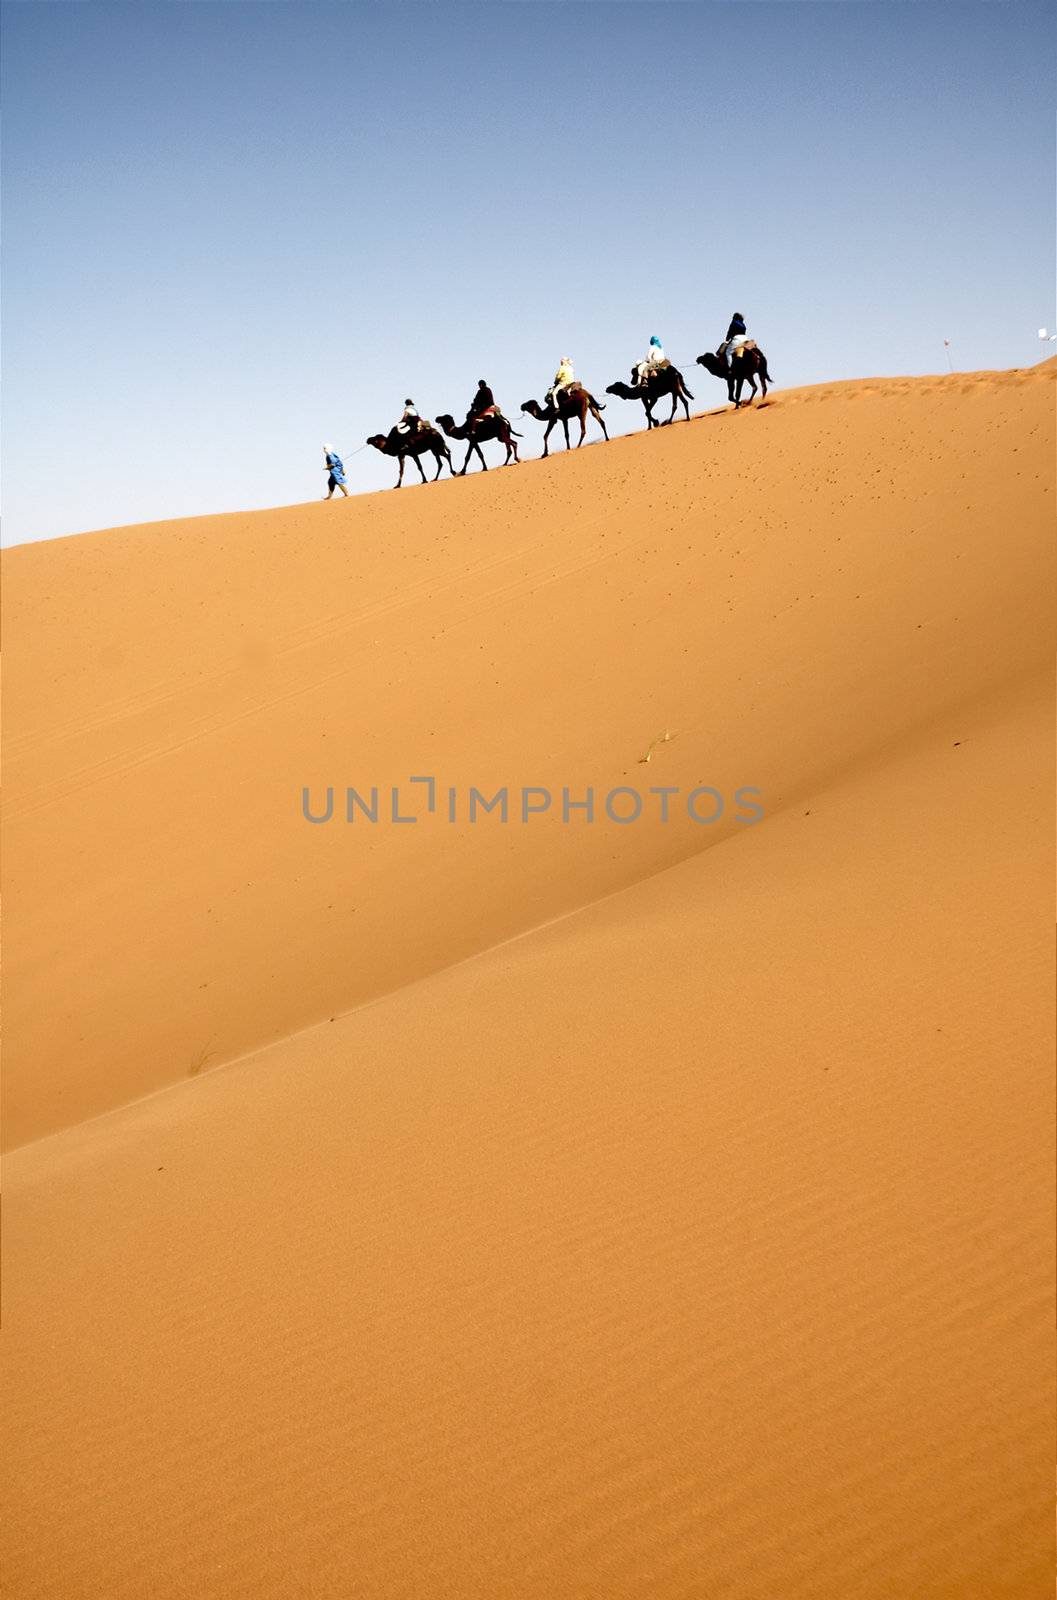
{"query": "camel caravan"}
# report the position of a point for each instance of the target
(736, 361)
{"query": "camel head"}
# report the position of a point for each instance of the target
(378, 440)
(712, 363)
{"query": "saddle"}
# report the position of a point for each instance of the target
(417, 430)
(743, 349)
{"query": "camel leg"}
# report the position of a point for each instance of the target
(583, 426)
(546, 436)
(598, 418)
(466, 463)
(565, 425)
(400, 479)
(421, 469)
(480, 457)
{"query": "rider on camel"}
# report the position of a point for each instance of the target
(564, 378)
(736, 337)
(411, 422)
(655, 359)
(482, 405)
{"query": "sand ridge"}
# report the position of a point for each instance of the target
(783, 589)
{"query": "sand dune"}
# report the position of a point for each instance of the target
(693, 1243)
(785, 590)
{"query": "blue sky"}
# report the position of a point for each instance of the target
(232, 231)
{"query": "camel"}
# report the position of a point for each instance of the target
(666, 380)
(482, 429)
(744, 364)
(574, 404)
(427, 441)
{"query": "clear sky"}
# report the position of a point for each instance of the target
(234, 231)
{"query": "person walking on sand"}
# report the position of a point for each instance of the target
(336, 473)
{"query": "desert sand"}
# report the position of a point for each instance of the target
(548, 1211)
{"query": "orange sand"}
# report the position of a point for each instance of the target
(695, 1244)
